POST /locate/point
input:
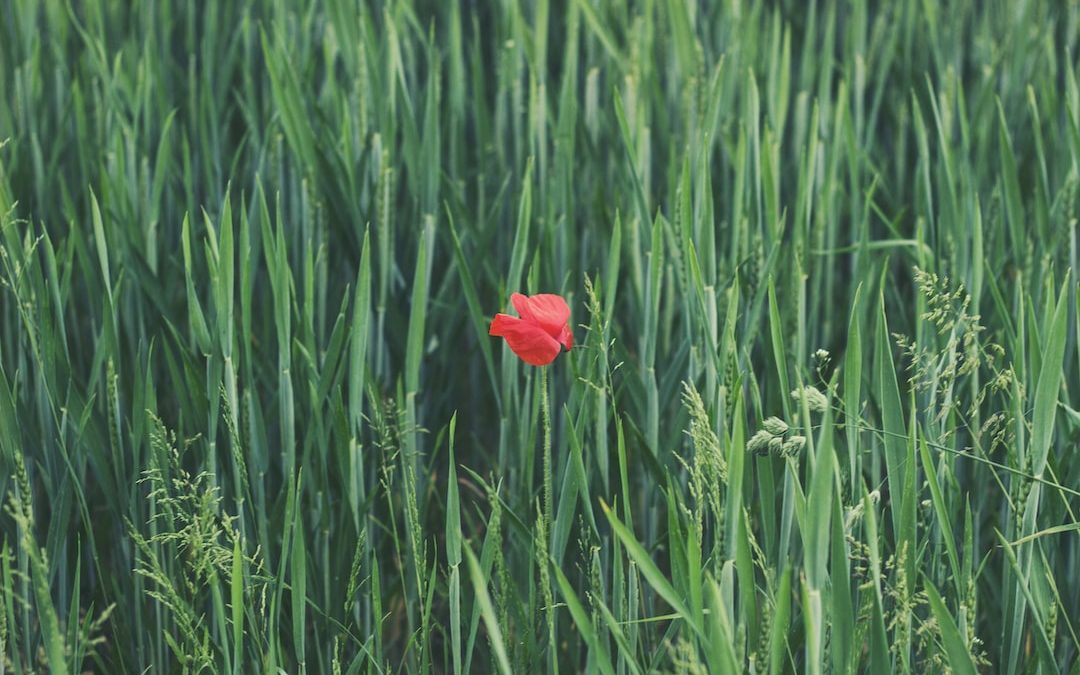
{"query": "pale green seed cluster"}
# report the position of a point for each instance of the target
(815, 400)
(775, 440)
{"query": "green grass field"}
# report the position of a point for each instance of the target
(821, 415)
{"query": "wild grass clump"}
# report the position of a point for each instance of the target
(820, 413)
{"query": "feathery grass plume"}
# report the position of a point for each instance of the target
(20, 508)
(775, 426)
(793, 446)
(415, 529)
(540, 548)
(190, 548)
(904, 603)
(759, 656)
(815, 400)
(231, 416)
(764, 597)
(115, 415)
(708, 453)
(759, 442)
(501, 586)
(686, 658)
(589, 568)
(854, 513)
(776, 446)
(354, 572)
(596, 583)
(937, 368)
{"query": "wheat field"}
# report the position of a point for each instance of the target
(821, 409)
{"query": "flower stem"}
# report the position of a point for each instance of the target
(546, 413)
(547, 518)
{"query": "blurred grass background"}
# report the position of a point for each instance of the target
(251, 419)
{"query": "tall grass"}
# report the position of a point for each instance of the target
(821, 415)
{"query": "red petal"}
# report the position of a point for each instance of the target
(566, 338)
(526, 339)
(499, 324)
(546, 309)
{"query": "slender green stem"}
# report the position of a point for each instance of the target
(545, 410)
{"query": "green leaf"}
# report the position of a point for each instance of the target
(942, 513)
(487, 611)
(649, 569)
(959, 659)
(236, 584)
(1046, 388)
(778, 632)
(892, 417)
(583, 621)
(720, 644)
(298, 577)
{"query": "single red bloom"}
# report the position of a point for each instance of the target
(543, 326)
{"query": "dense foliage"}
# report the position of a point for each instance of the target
(821, 410)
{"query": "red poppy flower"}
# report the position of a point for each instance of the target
(543, 326)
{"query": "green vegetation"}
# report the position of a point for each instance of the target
(822, 410)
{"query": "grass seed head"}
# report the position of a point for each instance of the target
(775, 426)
